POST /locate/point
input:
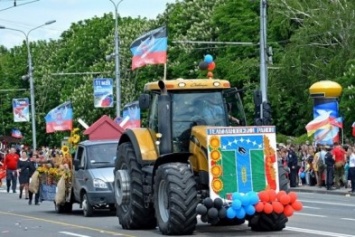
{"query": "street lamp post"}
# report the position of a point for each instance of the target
(117, 60)
(30, 77)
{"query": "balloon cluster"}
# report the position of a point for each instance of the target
(208, 64)
(242, 205)
(211, 210)
(280, 202)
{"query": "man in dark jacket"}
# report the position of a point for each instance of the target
(329, 162)
(292, 161)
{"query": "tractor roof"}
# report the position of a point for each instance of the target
(189, 84)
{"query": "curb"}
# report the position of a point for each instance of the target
(320, 191)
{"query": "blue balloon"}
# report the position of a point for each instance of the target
(303, 175)
(250, 210)
(230, 213)
(254, 198)
(236, 204)
(208, 58)
(245, 199)
(235, 196)
(240, 214)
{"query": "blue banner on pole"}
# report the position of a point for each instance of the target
(103, 93)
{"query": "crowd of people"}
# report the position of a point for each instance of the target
(332, 167)
(20, 163)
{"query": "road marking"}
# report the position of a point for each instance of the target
(101, 231)
(72, 234)
(317, 232)
(308, 207)
(306, 214)
(328, 203)
(348, 219)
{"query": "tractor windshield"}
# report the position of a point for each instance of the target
(196, 108)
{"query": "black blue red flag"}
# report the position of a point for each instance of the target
(60, 118)
(150, 48)
(16, 133)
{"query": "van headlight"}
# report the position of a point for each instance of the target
(98, 183)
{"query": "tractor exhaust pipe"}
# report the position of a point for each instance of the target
(164, 120)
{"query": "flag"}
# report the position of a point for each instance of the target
(16, 133)
(150, 48)
(20, 109)
(60, 118)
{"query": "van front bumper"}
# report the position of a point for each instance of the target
(101, 198)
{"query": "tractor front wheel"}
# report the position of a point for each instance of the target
(175, 199)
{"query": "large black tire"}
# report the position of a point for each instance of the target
(284, 182)
(175, 199)
(135, 215)
(268, 222)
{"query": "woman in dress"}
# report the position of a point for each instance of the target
(23, 169)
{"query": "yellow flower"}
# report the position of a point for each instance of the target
(75, 139)
(65, 149)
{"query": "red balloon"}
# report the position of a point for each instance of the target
(268, 208)
(279, 194)
(259, 207)
(278, 207)
(288, 211)
(264, 196)
(293, 197)
(285, 199)
(211, 66)
(272, 195)
(297, 205)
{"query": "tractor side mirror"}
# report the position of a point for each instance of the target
(144, 101)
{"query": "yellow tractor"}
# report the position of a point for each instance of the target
(162, 172)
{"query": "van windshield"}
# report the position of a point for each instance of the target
(102, 155)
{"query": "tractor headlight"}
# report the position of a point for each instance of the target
(98, 183)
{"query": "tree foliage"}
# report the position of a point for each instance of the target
(310, 40)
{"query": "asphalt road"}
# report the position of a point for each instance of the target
(323, 215)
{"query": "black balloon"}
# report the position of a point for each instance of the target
(204, 218)
(213, 213)
(218, 203)
(208, 202)
(222, 213)
(203, 65)
(201, 209)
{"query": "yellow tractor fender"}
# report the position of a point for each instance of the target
(143, 142)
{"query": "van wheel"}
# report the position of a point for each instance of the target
(88, 209)
(133, 214)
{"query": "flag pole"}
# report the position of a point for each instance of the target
(165, 71)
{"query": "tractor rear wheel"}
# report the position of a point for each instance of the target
(175, 199)
(268, 222)
(133, 214)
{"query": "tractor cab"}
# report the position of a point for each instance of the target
(199, 102)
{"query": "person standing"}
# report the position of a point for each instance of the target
(292, 161)
(23, 169)
(10, 164)
(339, 155)
(34, 161)
(351, 173)
(329, 162)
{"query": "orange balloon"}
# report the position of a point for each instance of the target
(259, 207)
(285, 199)
(264, 196)
(288, 211)
(272, 195)
(293, 197)
(268, 208)
(297, 205)
(278, 207)
(279, 194)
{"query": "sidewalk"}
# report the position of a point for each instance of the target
(315, 189)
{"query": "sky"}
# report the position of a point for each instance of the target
(36, 12)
